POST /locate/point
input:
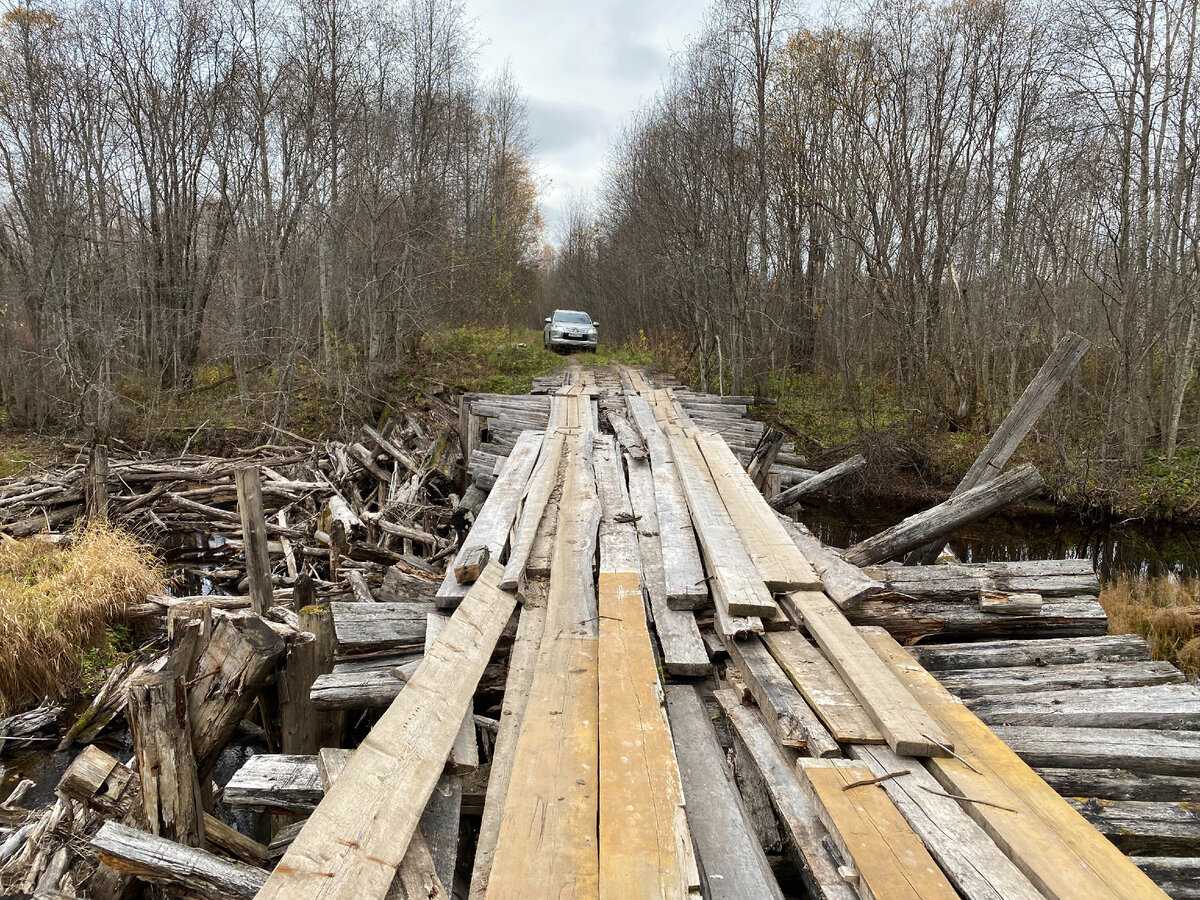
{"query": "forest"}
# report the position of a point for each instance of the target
(922, 197)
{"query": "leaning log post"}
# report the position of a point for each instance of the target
(317, 619)
(96, 487)
(162, 739)
(254, 535)
(937, 523)
(764, 456)
(818, 482)
(299, 728)
(1055, 372)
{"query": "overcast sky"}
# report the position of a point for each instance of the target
(584, 68)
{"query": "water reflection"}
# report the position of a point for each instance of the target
(1129, 547)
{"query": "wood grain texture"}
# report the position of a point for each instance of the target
(354, 841)
(532, 509)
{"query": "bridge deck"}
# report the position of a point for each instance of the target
(910, 743)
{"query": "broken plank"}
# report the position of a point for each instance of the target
(353, 843)
(532, 510)
(845, 584)
(906, 727)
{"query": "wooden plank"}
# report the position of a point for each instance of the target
(254, 537)
(970, 859)
(1060, 853)
(971, 683)
(368, 628)
(683, 651)
(532, 509)
(1172, 707)
(1107, 648)
(496, 517)
(910, 620)
(464, 754)
(1121, 784)
(822, 688)
(512, 713)
(1140, 750)
(779, 561)
(354, 841)
(276, 782)
(844, 584)
(1055, 372)
(547, 843)
(683, 571)
(776, 767)
(959, 581)
(732, 862)
(737, 589)
(892, 862)
(789, 718)
(940, 521)
(906, 727)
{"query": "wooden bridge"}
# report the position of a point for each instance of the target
(917, 731)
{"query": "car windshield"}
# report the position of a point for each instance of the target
(573, 318)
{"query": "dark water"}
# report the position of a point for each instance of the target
(1132, 547)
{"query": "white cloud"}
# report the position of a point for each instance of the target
(584, 69)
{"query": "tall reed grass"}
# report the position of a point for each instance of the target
(56, 603)
(1164, 610)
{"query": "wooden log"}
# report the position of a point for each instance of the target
(683, 651)
(1139, 750)
(547, 842)
(1121, 784)
(906, 727)
(162, 861)
(944, 519)
(1013, 680)
(162, 739)
(970, 859)
(631, 442)
(763, 458)
(790, 720)
(96, 487)
(683, 571)
(1178, 876)
(871, 834)
(1001, 604)
(469, 565)
(776, 768)
(512, 714)
(1109, 648)
(844, 584)
(1145, 827)
(492, 525)
(1055, 372)
(819, 482)
(299, 724)
(731, 860)
(279, 782)
(358, 586)
(822, 688)
(964, 581)
(779, 561)
(317, 620)
(1060, 853)
(910, 620)
(1174, 707)
(254, 536)
(355, 840)
(362, 628)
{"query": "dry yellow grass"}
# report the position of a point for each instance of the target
(56, 602)
(1165, 611)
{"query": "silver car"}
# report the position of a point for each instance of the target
(568, 330)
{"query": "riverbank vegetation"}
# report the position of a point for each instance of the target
(57, 603)
(1165, 611)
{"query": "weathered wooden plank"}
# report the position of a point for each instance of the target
(1174, 707)
(737, 588)
(819, 482)
(891, 861)
(464, 754)
(276, 782)
(532, 509)
(779, 561)
(732, 862)
(942, 520)
(1145, 827)
(492, 525)
(844, 584)
(1055, 372)
(683, 572)
(776, 768)
(1109, 648)
(1060, 853)
(970, 859)
(906, 727)
(353, 843)
(971, 683)
(254, 537)
(788, 717)
(909, 620)
(1121, 784)
(516, 697)
(1140, 750)
(959, 581)
(822, 688)
(547, 842)
(683, 651)
(367, 628)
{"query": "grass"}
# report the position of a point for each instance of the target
(1163, 610)
(58, 605)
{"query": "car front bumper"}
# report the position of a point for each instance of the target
(568, 343)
